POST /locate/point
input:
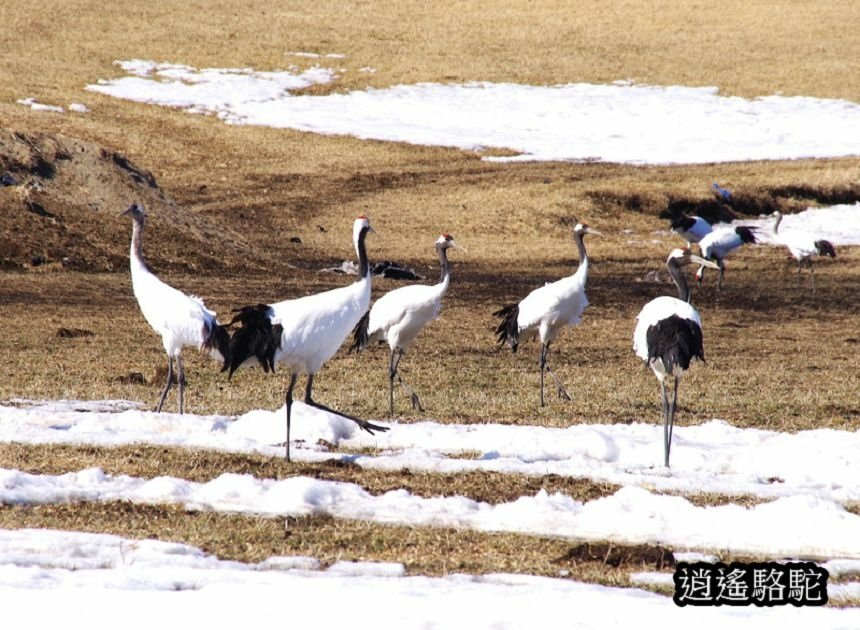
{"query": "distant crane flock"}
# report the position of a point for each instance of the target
(303, 333)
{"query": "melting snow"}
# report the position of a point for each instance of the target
(621, 122)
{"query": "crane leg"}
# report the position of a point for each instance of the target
(672, 406)
(413, 397)
(392, 370)
(289, 401)
(543, 351)
(720, 275)
(181, 367)
(562, 392)
(166, 385)
(665, 401)
(812, 273)
(363, 424)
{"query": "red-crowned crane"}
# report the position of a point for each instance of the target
(546, 310)
(180, 319)
(306, 332)
(399, 315)
(691, 229)
(803, 246)
(719, 244)
(668, 335)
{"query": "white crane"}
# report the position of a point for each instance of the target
(180, 319)
(668, 335)
(719, 244)
(803, 246)
(399, 315)
(306, 332)
(691, 229)
(548, 309)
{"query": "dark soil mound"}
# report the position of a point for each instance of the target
(59, 200)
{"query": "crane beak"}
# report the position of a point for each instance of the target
(124, 212)
(455, 246)
(703, 262)
(593, 231)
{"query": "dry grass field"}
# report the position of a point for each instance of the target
(225, 200)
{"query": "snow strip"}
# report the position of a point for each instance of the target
(800, 526)
(48, 578)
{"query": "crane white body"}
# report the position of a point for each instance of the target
(720, 243)
(803, 246)
(691, 228)
(547, 310)
(315, 326)
(181, 320)
(398, 316)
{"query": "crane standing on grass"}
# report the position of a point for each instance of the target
(305, 332)
(803, 246)
(668, 335)
(546, 310)
(181, 320)
(399, 315)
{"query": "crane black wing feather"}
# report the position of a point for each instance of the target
(508, 330)
(359, 334)
(257, 337)
(675, 341)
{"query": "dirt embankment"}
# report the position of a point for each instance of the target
(59, 201)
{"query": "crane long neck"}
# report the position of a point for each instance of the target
(445, 273)
(680, 281)
(137, 244)
(583, 255)
(776, 224)
(363, 265)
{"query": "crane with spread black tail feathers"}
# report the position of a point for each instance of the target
(547, 310)
(803, 246)
(668, 336)
(399, 315)
(181, 320)
(306, 332)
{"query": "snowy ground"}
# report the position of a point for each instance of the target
(807, 520)
(622, 122)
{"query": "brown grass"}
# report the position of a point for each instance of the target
(229, 197)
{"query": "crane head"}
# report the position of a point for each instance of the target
(135, 211)
(582, 228)
(361, 223)
(445, 241)
(683, 256)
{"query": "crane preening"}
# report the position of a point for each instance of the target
(181, 320)
(305, 332)
(399, 315)
(668, 336)
(719, 243)
(547, 310)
